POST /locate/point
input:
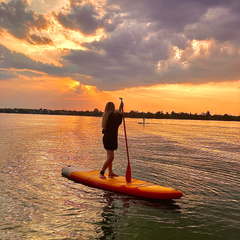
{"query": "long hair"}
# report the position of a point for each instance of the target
(110, 107)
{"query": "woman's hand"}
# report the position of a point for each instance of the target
(121, 107)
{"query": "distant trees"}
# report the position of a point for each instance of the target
(182, 115)
(95, 112)
(131, 114)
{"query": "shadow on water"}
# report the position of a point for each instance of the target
(120, 209)
(129, 201)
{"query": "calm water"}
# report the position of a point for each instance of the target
(200, 158)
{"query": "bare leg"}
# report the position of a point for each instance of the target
(108, 163)
(110, 155)
(110, 171)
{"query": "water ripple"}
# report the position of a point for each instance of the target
(199, 158)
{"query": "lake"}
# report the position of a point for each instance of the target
(200, 158)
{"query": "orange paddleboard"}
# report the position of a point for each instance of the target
(118, 184)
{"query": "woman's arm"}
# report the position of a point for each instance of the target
(121, 107)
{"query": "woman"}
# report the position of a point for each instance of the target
(111, 120)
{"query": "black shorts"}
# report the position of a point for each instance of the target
(110, 143)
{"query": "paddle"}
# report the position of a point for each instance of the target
(128, 172)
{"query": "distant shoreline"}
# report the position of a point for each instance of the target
(131, 114)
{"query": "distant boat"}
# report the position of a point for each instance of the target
(143, 122)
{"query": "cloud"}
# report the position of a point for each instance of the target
(218, 23)
(142, 43)
(14, 60)
(81, 17)
(87, 18)
(6, 75)
(44, 7)
(19, 20)
(154, 43)
(37, 40)
(30, 74)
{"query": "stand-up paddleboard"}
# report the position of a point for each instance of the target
(118, 184)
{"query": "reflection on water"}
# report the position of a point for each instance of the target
(114, 219)
(200, 158)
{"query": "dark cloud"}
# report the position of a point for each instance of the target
(12, 59)
(219, 23)
(37, 40)
(6, 75)
(82, 17)
(29, 73)
(85, 18)
(19, 20)
(166, 14)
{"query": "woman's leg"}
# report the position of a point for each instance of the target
(110, 171)
(108, 163)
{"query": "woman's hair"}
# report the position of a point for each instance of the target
(110, 107)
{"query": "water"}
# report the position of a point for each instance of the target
(200, 158)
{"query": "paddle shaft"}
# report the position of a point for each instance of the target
(128, 172)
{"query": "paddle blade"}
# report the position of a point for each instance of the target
(128, 174)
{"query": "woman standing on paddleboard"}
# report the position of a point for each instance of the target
(111, 120)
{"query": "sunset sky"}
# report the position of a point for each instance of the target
(159, 55)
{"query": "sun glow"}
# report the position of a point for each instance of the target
(177, 53)
(86, 89)
(173, 97)
(200, 47)
(67, 84)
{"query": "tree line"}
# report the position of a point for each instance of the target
(131, 114)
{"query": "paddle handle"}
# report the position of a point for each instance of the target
(128, 171)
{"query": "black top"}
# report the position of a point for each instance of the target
(110, 136)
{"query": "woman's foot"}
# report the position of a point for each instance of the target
(112, 175)
(102, 176)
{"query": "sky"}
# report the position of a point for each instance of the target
(158, 55)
